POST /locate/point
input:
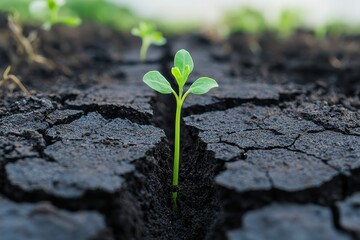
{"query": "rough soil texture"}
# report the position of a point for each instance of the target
(273, 153)
(349, 214)
(288, 222)
(43, 221)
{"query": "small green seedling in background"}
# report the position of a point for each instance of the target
(183, 66)
(148, 34)
(246, 20)
(52, 9)
(336, 28)
(320, 32)
(25, 43)
(6, 77)
(288, 21)
(250, 21)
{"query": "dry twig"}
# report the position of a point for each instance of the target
(14, 79)
(24, 43)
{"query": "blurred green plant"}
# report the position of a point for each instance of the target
(336, 28)
(250, 20)
(245, 19)
(104, 12)
(99, 11)
(49, 10)
(289, 20)
(148, 34)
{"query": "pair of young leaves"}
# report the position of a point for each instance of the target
(183, 66)
(147, 32)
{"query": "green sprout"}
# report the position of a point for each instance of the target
(336, 28)
(148, 34)
(183, 66)
(250, 21)
(52, 9)
(247, 20)
(288, 21)
(38, 8)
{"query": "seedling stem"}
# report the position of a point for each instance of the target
(148, 34)
(143, 50)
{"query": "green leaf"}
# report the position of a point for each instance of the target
(176, 73)
(52, 5)
(181, 60)
(158, 39)
(156, 81)
(202, 85)
(186, 73)
(146, 27)
(70, 21)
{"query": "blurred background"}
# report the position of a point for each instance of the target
(316, 12)
(224, 16)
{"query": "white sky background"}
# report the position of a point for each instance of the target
(315, 12)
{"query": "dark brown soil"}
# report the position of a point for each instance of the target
(273, 153)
